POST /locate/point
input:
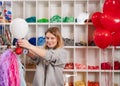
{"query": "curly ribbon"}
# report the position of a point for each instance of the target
(9, 72)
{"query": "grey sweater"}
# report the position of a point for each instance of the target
(49, 70)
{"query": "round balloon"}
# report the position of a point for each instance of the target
(116, 39)
(96, 19)
(19, 28)
(102, 38)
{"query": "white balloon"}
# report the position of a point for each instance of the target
(19, 28)
(82, 17)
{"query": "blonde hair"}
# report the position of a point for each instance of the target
(55, 31)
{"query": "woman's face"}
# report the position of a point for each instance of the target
(51, 40)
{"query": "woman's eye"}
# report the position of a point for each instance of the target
(52, 38)
(47, 38)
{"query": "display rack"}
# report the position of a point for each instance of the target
(84, 58)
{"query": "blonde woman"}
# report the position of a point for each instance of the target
(50, 60)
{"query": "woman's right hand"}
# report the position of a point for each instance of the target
(24, 43)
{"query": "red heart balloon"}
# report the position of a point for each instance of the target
(111, 6)
(102, 38)
(111, 21)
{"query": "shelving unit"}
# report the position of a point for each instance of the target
(83, 57)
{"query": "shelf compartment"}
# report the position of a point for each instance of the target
(70, 59)
(93, 59)
(80, 11)
(93, 78)
(68, 9)
(106, 79)
(67, 32)
(31, 32)
(80, 35)
(41, 29)
(55, 9)
(116, 79)
(5, 35)
(30, 9)
(91, 30)
(93, 6)
(42, 10)
(68, 78)
(80, 59)
(40, 34)
(17, 9)
(80, 79)
(106, 59)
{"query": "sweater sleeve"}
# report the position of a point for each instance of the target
(56, 57)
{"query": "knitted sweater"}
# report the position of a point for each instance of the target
(49, 70)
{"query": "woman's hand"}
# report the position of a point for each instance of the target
(24, 43)
(36, 50)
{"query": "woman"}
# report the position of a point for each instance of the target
(50, 60)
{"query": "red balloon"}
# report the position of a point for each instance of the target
(96, 19)
(110, 21)
(18, 50)
(111, 6)
(116, 39)
(102, 38)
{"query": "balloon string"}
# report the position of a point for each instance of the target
(103, 53)
(105, 78)
(108, 79)
(103, 57)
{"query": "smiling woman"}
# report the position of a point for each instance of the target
(53, 38)
(50, 60)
